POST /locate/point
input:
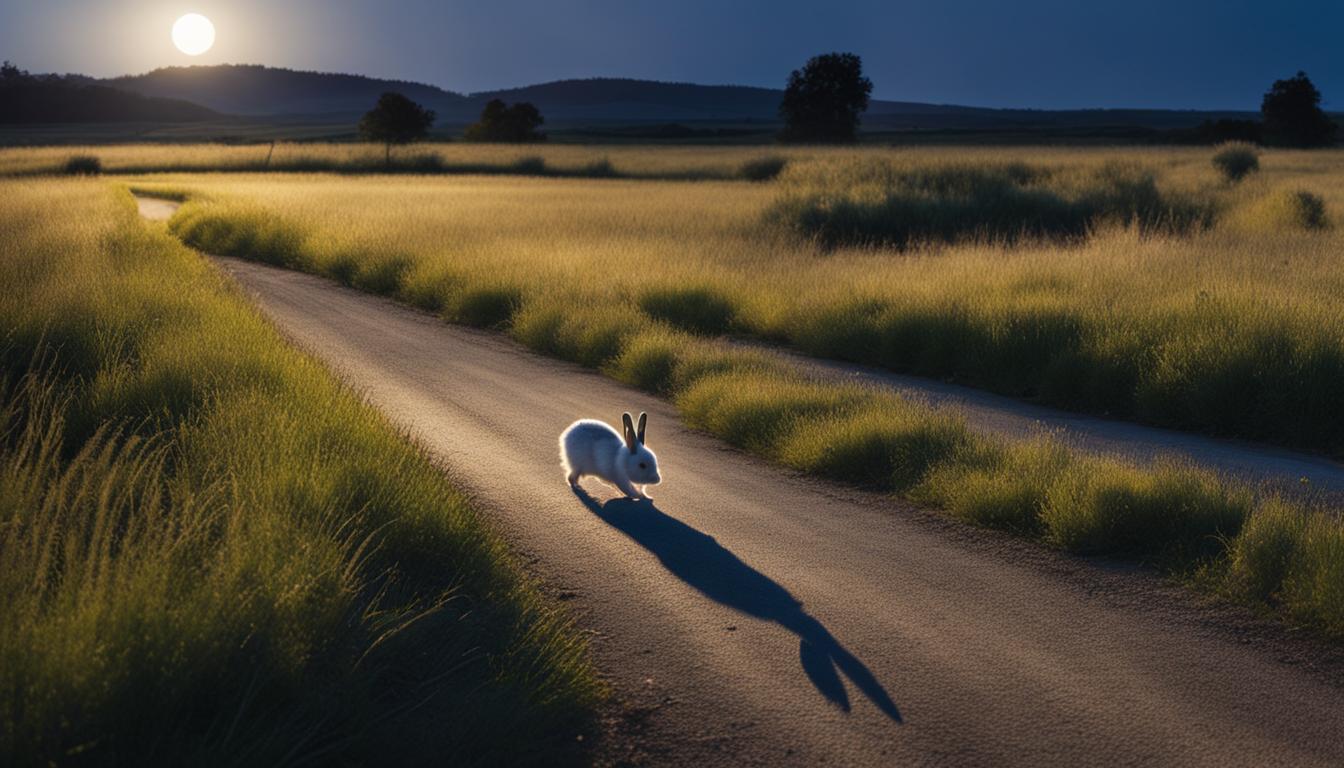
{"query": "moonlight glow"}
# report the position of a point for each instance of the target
(193, 34)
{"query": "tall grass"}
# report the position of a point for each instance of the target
(668, 163)
(211, 553)
(901, 205)
(657, 338)
(1230, 330)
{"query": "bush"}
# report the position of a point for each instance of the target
(699, 309)
(883, 204)
(83, 165)
(1236, 160)
(1285, 209)
(762, 168)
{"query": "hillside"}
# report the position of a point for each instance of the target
(247, 89)
(26, 99)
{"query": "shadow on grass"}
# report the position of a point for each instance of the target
(717, 573)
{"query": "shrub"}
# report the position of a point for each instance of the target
(532, 165)
(1236, 160)
(83, 165)
(600, 168)
(1285, 209)
(762, 168)
(699, 309)
(484, 306)
(882, 204)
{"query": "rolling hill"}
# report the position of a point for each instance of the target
(328, 104)
(30, 100)
(255, 90)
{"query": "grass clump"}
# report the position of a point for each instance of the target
(997, 488)
(1236, 160)
(211, 552)
(702, 309)
(883, 204)
(1285, 210)
(82, 165)
(765, 168)
(1293, 561)
(1174, 513)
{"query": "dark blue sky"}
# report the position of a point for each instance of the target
(1032, 53)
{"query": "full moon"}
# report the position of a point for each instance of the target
(193, 34)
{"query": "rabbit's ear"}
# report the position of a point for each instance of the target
(639, 433)
(629, 432)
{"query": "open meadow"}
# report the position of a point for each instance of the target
(165, 450)
(1133, 283)
(1139, 284)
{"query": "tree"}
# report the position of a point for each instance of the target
(501, 122)
(1293, 115)
(823, 101)
(395, 119)
(11, 74)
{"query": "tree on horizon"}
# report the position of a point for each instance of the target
(822, 101)
(395, 119)
(514, 124)
(1293, 115)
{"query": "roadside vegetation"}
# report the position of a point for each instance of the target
(640, 280)
(211, 553)
(1168, 297)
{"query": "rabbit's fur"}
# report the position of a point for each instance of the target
(591, 447)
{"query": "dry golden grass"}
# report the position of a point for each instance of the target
(1231, 327)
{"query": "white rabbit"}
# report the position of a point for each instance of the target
(590, 447)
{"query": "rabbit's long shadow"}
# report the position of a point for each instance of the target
(699, 560)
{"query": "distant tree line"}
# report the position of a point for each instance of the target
(823, 103)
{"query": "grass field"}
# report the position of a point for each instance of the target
(211, 553)
(1171, 301)
(1136, 284)
(670, 163)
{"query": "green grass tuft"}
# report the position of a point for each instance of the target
(1236, 160)
(701, 309)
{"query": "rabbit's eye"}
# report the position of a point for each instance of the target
(642, 465)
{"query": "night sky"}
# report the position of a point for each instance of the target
(1203, 54)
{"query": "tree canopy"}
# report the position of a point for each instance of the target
(504, 123)
(395, 120)
(824, 99)
(1293, 115)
